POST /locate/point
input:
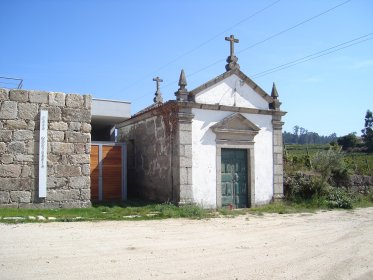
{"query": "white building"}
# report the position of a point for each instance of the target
(219, 145)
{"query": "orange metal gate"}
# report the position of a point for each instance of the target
(108, 171)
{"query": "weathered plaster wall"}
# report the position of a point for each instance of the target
(232, 92)
(204, 156)
(68, 178)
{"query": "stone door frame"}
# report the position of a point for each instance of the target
(236, 132)
(249, 147)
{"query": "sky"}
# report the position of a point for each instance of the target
(113, 49)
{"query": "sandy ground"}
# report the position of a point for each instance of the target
(326, 245)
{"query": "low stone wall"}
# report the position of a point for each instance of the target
(361, 183)
(68, 177)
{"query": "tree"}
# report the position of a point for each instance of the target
(296, 131)
(348, 141)
(368, 131)
(301, 135)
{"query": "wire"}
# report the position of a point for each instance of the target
(266, 39)
(293, 27)
(203, 43)
(314, 56)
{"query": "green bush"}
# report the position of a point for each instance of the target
(329, 163)
(338, 198)
(304, 187)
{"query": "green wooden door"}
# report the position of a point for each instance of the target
(234, 187)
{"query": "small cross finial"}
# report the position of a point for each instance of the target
(158, 95)
(232, 40)
(232, 59)
(158, 81)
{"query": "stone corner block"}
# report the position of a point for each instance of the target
(87, 101)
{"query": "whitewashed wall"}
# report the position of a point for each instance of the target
(232, 92)
(204, 156)
(263, 149)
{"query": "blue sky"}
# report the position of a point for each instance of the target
(112, 49)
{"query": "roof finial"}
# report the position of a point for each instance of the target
(158, 95)
(232, 59)
(182, 92)
(275, 105)
(274, 92)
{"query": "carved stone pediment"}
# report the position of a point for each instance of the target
(235, 128)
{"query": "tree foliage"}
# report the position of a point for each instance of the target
(368, 131)
(301, 135)
(348, 141)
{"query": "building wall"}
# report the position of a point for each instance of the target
(204, 156)
(68, 177)
(149, 157)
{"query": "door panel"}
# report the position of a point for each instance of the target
(106, 175)
(234, 178)
(94, 172)
(112, 172)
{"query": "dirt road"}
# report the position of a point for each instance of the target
(326, 245)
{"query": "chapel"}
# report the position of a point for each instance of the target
(218, 145)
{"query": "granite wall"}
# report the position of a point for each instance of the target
(68, 178)
(149, 157)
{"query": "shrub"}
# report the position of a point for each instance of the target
(348, 141)
(338, 198)
(328, 163)
(304, 187)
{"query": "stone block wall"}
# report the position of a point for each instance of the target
(151, 155)
(159, 153)
(69, 138)
(149, 159)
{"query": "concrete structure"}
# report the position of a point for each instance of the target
(70, 117)
(105, 115)
(217, 145)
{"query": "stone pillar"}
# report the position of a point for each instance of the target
(278, 167)
(185, 155)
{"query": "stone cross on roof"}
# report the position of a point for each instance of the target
(232, 59)
(232, 40)
(158, 95)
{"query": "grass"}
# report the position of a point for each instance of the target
(111, 212)
(150, 211)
